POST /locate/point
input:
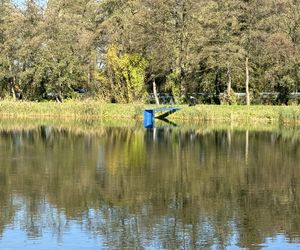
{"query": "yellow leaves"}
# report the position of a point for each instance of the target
(126, 73)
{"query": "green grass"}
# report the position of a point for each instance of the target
(241, 114)
(69, 109)
(93, 110)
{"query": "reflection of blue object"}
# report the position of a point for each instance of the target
(149, 115)
(149, 118)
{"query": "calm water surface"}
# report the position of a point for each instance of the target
(149, 189)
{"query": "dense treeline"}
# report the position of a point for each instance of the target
(122, 50)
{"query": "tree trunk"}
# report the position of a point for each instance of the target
(59, 98)
(155, 92)
(13, 92)
(183, 91)
(181, 38)
(247, 82)
(216, 97)
(89, 77)
(12, 83)
(229, 79)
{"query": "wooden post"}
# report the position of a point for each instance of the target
(247, 82)
(155, 92)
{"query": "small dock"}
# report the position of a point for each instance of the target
(149, 115)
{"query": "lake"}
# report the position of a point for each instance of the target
(164, 188)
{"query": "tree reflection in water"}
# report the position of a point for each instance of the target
(166, 188)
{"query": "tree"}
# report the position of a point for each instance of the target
(190, 46)
(126, 76)
(7, 48)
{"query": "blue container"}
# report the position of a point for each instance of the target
(149, 115)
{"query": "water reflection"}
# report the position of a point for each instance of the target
(160, 188)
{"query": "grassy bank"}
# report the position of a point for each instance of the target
(89, 110)
(241, 114)
(68, 110)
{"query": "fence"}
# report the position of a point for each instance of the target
(260, 98)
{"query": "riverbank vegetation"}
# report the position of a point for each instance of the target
(122, 51)
(95, 110)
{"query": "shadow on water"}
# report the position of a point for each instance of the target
(166, 188)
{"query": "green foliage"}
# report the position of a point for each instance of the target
(126, 74)
(174, 86)
(229, 98)
(115, 49)
(58, 75)
(285, 87)
(4, 75)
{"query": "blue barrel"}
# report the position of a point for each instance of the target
(149, 118)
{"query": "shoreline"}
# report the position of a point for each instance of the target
(95, 110)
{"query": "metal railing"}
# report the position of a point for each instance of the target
(167, 98)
